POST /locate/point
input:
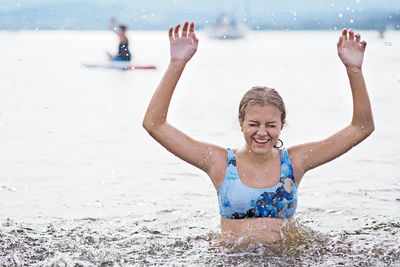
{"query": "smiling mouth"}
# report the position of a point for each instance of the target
(261, 141)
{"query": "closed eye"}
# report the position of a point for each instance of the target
(253, 123)
(271, 124)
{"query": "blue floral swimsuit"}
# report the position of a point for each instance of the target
(238, 201)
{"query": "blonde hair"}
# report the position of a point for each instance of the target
(261, 95)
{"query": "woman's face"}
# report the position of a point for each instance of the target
(261, 127)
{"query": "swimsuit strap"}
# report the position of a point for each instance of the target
(231, 157)
(286, 165)
(283, 156)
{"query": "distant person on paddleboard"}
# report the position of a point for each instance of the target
(123, 47)
(257, 184)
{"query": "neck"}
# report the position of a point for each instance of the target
(259, 158)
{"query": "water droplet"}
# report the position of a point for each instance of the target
(351, 21)
(340, 15)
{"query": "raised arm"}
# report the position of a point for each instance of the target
(201, 155)
(308, 156)
(112, 24)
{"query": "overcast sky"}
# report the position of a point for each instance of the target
(255, 5)
(94, 14)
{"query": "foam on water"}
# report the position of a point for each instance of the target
(113, 242)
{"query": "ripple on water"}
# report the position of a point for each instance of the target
(113, 242)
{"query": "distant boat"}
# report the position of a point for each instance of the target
(226, 27)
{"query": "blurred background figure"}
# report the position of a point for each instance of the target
(123, 46)
(226, 26)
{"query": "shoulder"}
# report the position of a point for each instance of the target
(296, 156)
(220, 155)
(218, 165)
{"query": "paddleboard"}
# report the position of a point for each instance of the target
(120, 66)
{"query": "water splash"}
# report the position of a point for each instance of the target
(92, 242)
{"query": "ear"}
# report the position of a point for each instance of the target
(241, 126)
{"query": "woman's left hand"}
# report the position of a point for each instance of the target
(351, 50)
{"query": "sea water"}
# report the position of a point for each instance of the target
(83, 184)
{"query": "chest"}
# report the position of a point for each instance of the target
(261, 175)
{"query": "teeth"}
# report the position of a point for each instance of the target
(261, 141)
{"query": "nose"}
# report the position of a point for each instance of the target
(262, 131)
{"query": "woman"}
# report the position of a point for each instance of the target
(257, 184)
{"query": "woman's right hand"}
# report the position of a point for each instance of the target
(183, 47)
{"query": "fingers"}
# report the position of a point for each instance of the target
(194, 37)
(363, 45)
(191, 30)
(176, 31)
(185, 29)
(344, 34)
(351, 34)
(340, 41)
(192, 34)
(170, 33)
(358, 37)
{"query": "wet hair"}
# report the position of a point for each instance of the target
(122, 27)
(261, 95)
